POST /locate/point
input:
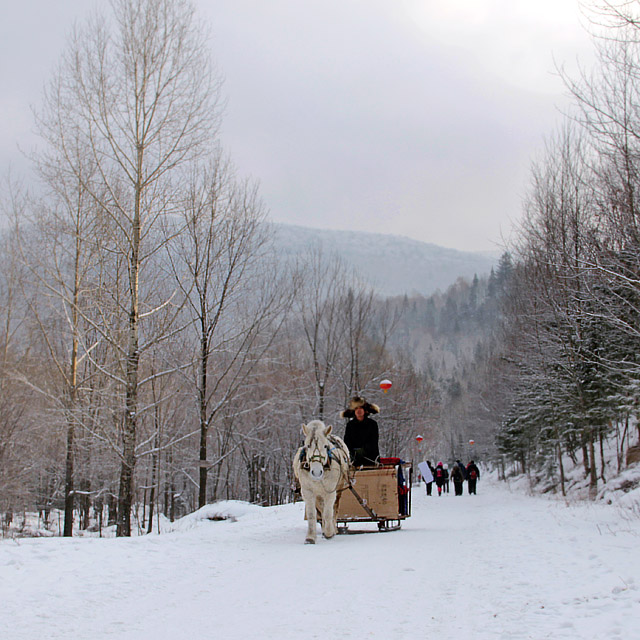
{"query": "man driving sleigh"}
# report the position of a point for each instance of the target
(361, 432)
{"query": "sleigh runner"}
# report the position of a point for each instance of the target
(377, 495)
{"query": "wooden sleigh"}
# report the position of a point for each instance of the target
(379, 495)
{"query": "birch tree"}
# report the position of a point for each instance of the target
(62, 263)
(137, 91)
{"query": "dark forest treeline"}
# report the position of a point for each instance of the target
(569, 372)
(556, 372)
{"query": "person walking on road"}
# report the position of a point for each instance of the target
(439, 477)
(473, 475)
(458, 478)
(430, 483)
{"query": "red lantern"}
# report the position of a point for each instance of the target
(419, 439)
(385, 385)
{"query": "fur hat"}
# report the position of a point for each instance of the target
(356, 402)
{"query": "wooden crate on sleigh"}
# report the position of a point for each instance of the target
(378, 489)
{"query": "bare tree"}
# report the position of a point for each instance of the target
(322, 313)
(138, 94)
(236, 296)
(14, 398)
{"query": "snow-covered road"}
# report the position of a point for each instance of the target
(500, 565)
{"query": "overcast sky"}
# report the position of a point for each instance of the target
(412, 117)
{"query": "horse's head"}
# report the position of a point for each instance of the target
(317, 448)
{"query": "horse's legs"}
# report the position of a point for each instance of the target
(329, 516)
(312, 517)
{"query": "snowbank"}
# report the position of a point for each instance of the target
(499, 565)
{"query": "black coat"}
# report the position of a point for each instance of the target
(472, 467)
(462, 468)
(440, 475)
(361, 438)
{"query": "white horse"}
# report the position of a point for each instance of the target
(321, 466)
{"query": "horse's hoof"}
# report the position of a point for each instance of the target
(309, 541)
(324, 535)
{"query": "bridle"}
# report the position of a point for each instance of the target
(317, 453)
(316, 460)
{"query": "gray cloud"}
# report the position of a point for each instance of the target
(389, 116)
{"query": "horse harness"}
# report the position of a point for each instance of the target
(306, 461)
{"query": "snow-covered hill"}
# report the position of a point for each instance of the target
(393, 264)
(499, 565)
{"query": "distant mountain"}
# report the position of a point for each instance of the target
(393, 264)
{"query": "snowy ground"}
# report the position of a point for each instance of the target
(497, 566)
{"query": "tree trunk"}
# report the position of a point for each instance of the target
(602, 460)
(321, 401)
(132, 363)
(72, 391)
(152, 491)
(204, 426)
(593, 483)
(125, 496)
(561, 468)
(112, 510)
(68, 485)
(622, 439)
(585, 459)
